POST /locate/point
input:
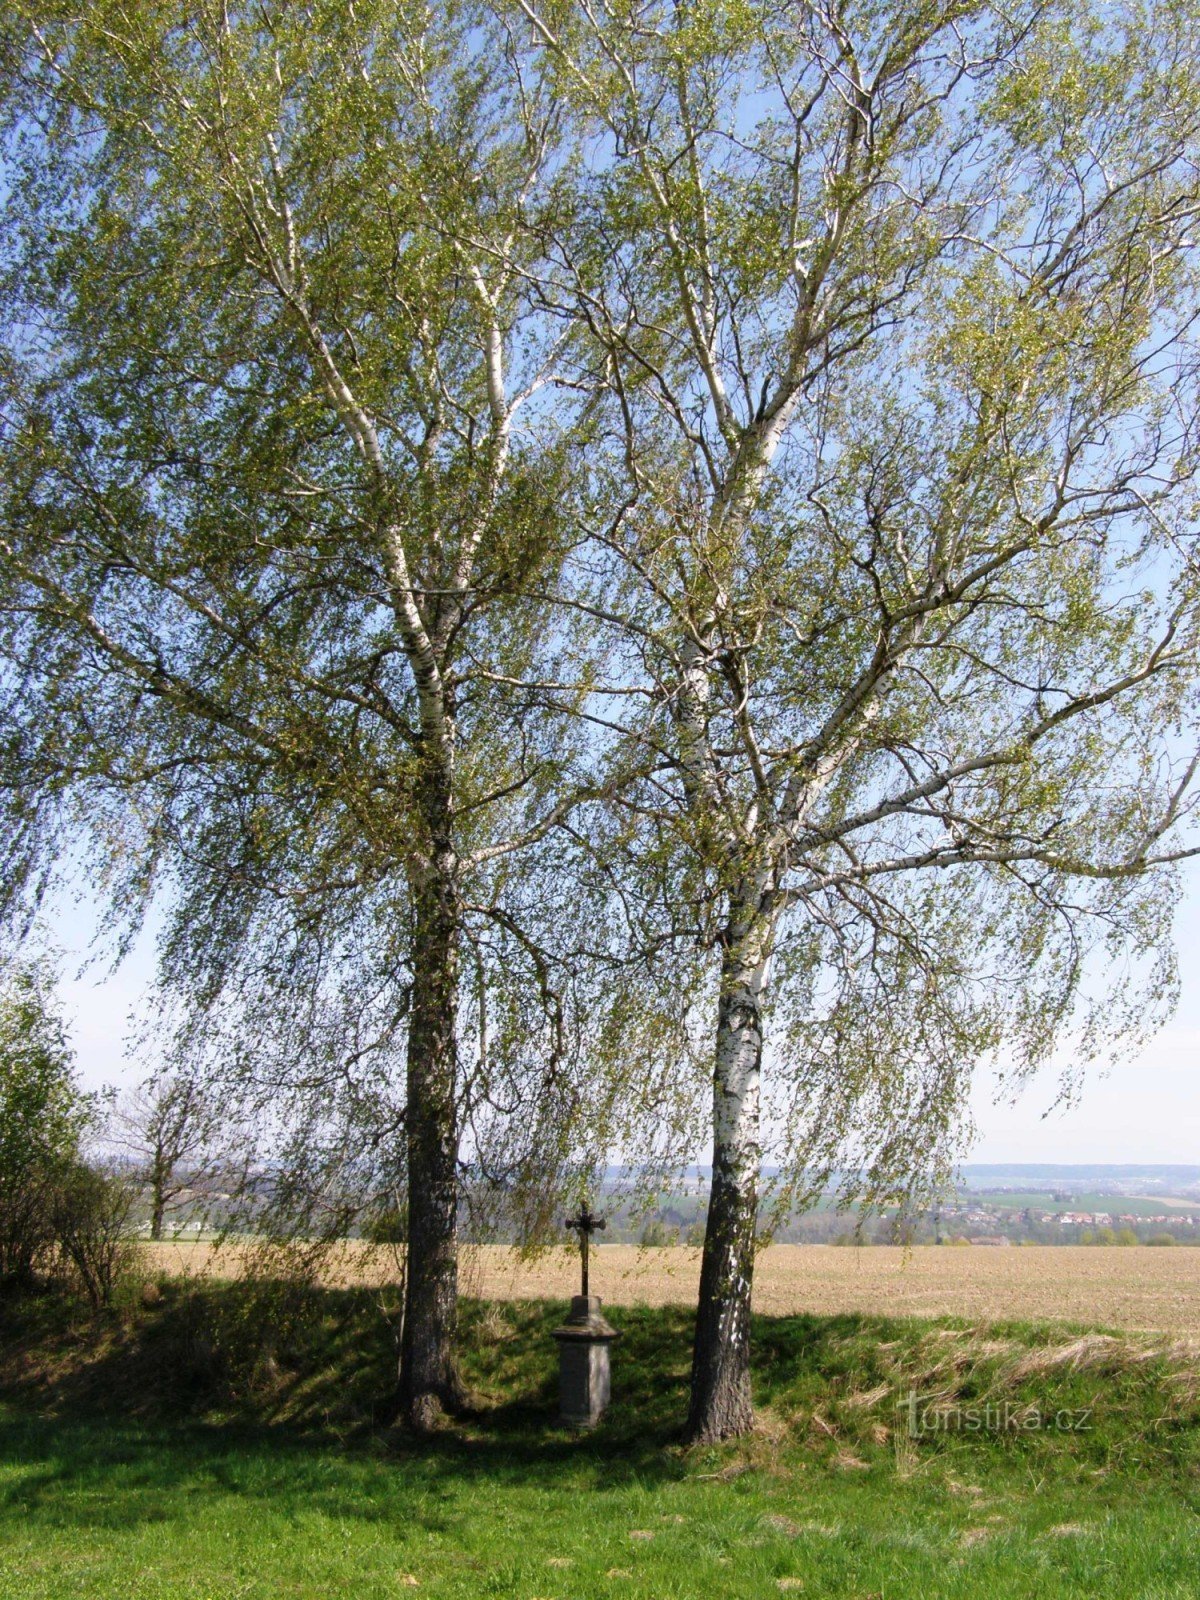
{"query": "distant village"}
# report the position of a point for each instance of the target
(996, 1217)
(999, 1217)
(993, 1222)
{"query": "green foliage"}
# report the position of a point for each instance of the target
(898, 305)
(760, 438)
(42, 1118)
(284, 514)
(655, 1235)
(55, 1210)
(387, 1227)
(91, 1212)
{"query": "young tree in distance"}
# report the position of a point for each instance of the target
(279, 485)
(168, 1126)
(896, 310)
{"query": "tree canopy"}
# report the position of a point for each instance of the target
(894, 310)
(281, 511)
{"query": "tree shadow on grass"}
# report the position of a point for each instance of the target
(102, 1473)
(269, 1387)
(276, 1390)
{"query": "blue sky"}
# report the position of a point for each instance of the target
(1144, 1109)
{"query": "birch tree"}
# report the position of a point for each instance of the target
(895, 306)
(279, 482)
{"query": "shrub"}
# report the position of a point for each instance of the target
(42, 1118)
(1122, 1236)
(387, 1227)
(657, 1235)
(1161, 1238)
(91, 1223)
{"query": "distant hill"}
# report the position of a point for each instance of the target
(1131, 1177)
(1146, 1178)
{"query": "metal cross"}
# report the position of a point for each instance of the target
(585, 1224)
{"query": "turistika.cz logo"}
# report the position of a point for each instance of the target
(928, 1414)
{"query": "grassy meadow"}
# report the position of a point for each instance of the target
(230, 1440)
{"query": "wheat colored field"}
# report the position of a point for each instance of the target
(1118, 1288)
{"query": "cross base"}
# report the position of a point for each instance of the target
(584, 1372)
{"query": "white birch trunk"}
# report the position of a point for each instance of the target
(720, 1400)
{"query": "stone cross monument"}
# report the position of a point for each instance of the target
(585, 1224)
(583, 1340)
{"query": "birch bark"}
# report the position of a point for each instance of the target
(720, 1394)
(429, 1380)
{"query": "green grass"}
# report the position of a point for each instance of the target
(227, 1443)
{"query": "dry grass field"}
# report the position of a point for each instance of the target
(1151, 1289)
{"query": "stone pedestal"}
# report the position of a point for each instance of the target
(583, 1367)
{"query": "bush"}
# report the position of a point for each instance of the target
(91, 1223)
(387, 1227)
(42, 1118)
(1108, 1236)
(1161, 1238)
(657, 1235)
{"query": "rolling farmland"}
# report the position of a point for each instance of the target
(1119, 1288)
